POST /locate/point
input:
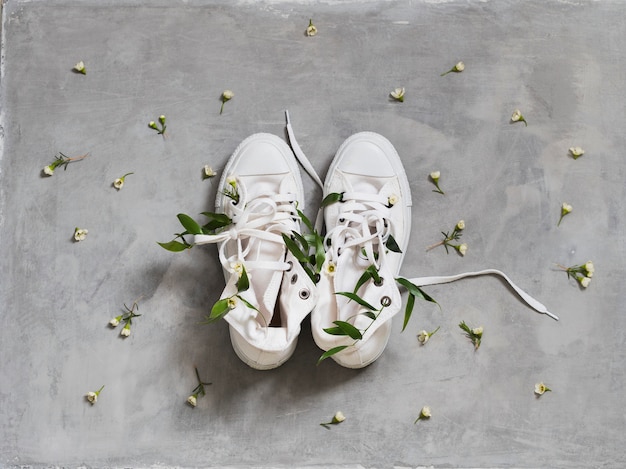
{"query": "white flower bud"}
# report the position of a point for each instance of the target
(192, 401)
(435, 175)
(425, 412)
(125, 332)
(423, 337)
(92, 397)
(463, 249)
(80, 234)
(398, 94)
(585, 281)
(460, 225)
(48, 170)
(338, 417)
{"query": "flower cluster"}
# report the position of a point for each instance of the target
(582, 273)
(126, 318)
(199, 390)
(474, 334)
(336, 420)
(449, 237)
(160, 127)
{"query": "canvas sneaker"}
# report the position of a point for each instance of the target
(267, 293)
(367, 215)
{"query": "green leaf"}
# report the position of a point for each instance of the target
(247, 303)
(335, 331)
(410, 302)
(243, 283)
(190, 224)
(216, 220)
(174, 246)
(294, 249)
(358, 299)
(349, 329)
(392, 245)
(364, 278)
(320, 254)
(305, 220)
(331, 199)
(303, 242)
(415, 290)
(370, 315)
(219, 310)
(331, 352)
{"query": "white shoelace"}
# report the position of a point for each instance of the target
(264, 218)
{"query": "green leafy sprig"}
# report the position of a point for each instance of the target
(307, 248)
(223, 306)
(216, 221)
(126, 318)
(449, 237)
(199, 390)
(581, 273)
(160, 127)
(61, 161)
(474, 334)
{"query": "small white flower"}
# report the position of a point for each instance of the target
(338, 417)
(584, 281)
(518, 117)
(227, 95)
(590, 268)
(459, 67)
(48, 170)
(237, 268)
(330, 268)
(460, 225)
(118, 183)
(92, 397)
(435, 175)
(231, 180)
(192, 401)
(311, 30)
(478, 331)
(425, 412)
(232, 302)
(80, 68)
(80, 234)
(541, 388)
(126, 330)
(398, 94)
(462, 249)
(114, 322)
(208, 172)
(423, 337)
(566, 208)
(392, 199)
(576, 152)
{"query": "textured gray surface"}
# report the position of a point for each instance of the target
(561, 63)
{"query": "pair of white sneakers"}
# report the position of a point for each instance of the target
(276, 274)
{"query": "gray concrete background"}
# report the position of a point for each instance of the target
(561, 63)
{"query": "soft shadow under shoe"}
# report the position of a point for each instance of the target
(367, 215)
(267, 293)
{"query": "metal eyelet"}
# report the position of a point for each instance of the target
(385, 301)
(380, 282)
(290, 266)
(294, 278)
(341, 220)
(304, 294)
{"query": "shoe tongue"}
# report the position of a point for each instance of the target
(263, 184)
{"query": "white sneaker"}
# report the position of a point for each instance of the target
(367, 214)
(267, 293)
